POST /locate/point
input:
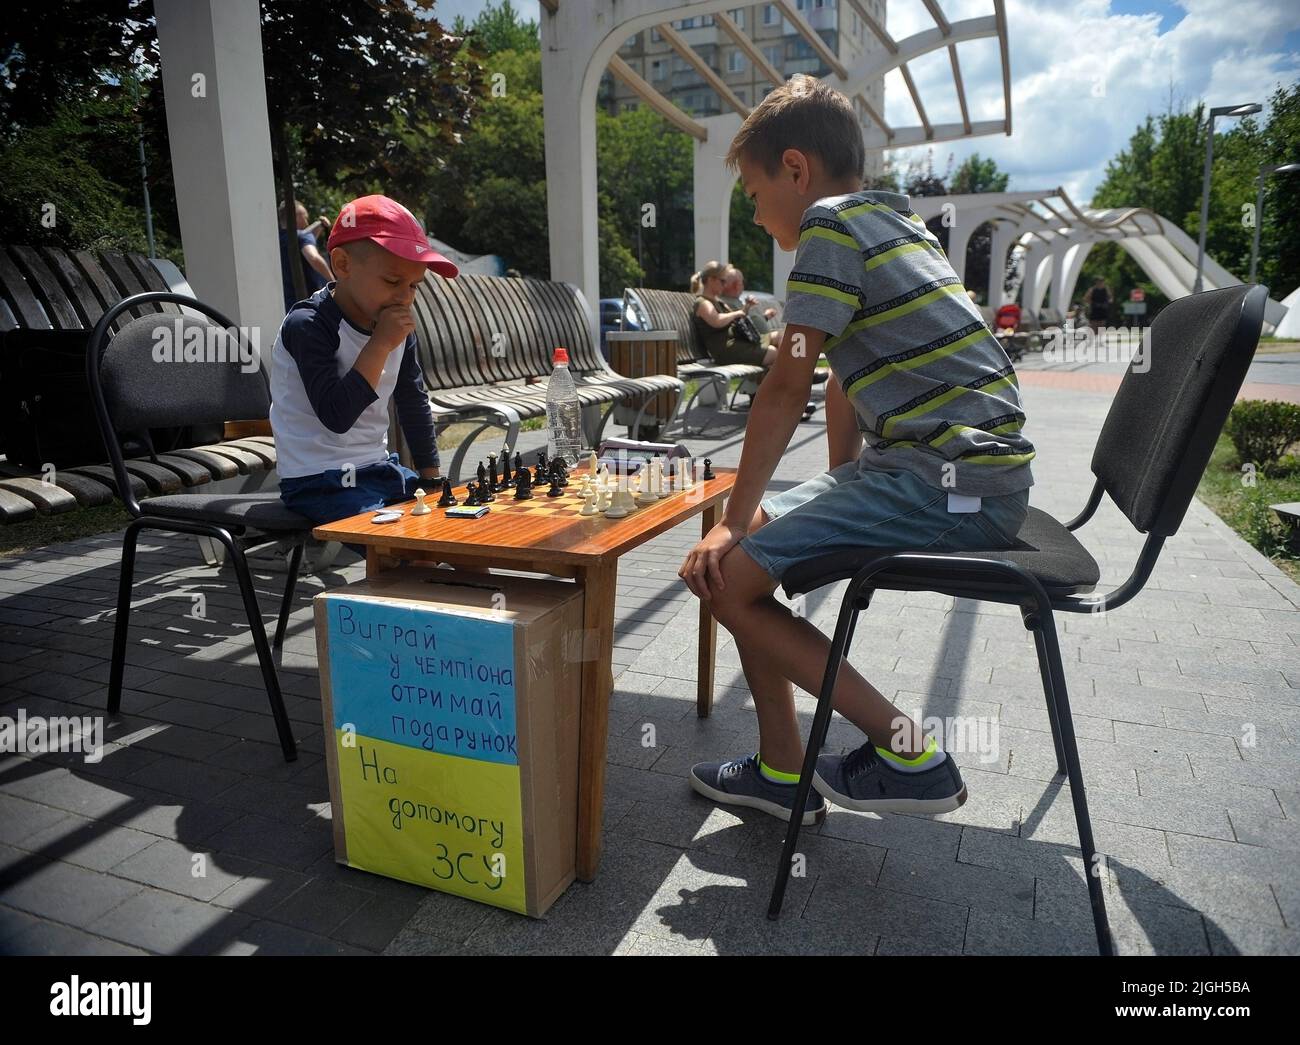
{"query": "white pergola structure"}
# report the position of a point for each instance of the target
(1054, 236)
(580, 40)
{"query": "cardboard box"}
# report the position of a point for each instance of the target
(453, 704)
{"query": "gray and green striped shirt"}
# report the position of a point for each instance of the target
(934, 392)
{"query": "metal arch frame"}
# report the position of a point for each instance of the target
(852, 80)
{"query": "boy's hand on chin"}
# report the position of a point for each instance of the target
(393, 324)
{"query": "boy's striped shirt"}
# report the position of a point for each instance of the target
(933, 390)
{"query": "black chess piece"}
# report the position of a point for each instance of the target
(471, 494)
(486, 493)
(542, 463)
(495, 483)
(523, 486)
(556, 489)
(564, 472)
(708, 469)
(448, 498)
(506, 479)
(519, 461)
(481, 472)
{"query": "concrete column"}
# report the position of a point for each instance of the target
(215, 89)
(713, 186)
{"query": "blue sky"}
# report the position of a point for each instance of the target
(1083, 74)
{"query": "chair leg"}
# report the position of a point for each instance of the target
(1053, 715)
(291, 582)
(246, 589)
(122, 620)
(1056, 694)
(848, 620)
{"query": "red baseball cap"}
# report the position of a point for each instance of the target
(390, 225)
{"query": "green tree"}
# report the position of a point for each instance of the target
(498, 29)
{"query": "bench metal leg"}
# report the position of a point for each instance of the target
(507, 419)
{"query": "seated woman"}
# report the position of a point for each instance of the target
(713, 323)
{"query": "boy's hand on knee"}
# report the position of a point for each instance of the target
(702, 570)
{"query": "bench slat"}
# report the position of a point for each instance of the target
(47, 288)
(14, 508)
(80, 292)
(13, 284)
(219, 466)
(47, 497)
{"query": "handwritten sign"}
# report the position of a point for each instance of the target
(425, 734)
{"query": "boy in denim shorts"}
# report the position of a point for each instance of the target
(945, 465)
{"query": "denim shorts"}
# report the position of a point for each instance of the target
(855, 507)
(323, 498)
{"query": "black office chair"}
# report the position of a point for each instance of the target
(133, 392)
(1151, 453)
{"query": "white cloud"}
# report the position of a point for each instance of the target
(1061, 133)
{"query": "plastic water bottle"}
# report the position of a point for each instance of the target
(563, 413)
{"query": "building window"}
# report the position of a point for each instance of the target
(631, 40)
(769, 14)
(657, 71)
(740, 93)
(738, 16)
(735, 61)
(774, 55)
(655, 38)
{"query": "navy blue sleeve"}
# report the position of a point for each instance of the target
(413, 411)
(338, 401)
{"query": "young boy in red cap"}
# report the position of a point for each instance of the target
(341, 354)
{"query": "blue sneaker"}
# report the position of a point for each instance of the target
(864, 781)
(740, 783)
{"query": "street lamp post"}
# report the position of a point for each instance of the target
(1223, 110)
(1264, 171)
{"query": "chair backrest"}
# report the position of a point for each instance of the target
(163, 370)
(476, 330)
(1173, 402)
(670, 310)
(51, 288)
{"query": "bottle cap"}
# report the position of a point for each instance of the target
(561, 356)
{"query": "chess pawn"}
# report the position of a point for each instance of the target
(618, 506)
(589, 502)
(420, 507)
(603, 498)
(645, 493)
(448, 498)
(656, 478)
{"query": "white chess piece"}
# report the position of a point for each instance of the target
(646, 493)
(603, 499)
(593, 465)
(688, 475)
(420, 507)
(657, 478)
(588, 502)
(618, 506)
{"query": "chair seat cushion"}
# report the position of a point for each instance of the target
(1043, 547)
(258, 511)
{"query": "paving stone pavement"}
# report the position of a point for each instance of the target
(192, 835)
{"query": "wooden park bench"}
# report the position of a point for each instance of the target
(50, 300)
(486, 345)
(672, 310)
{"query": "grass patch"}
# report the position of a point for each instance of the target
(1272, 346)
(44, 530)
(1246, 508)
